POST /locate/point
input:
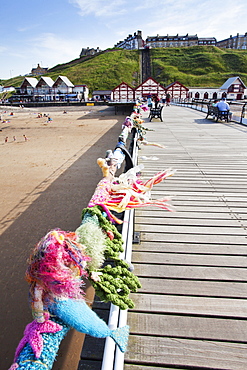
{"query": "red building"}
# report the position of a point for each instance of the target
(177, 90)
(123, 93)
(149, 87)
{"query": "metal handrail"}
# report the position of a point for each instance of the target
(113, 358)
(202, 104)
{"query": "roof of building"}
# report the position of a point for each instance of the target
(176, 83)
(123, 84)
(230, 82)
(32, 81)
(65, 80)
(47, 80)
(150, 81)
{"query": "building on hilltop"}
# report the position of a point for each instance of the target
(131, 42)
(136, 41)
(178, 41)
(171, 41)
(38, 71)
(234, 42)
(89, 52)
(207, 41)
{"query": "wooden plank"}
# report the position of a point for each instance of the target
(195, 248)
(200, 191)
(187, 229)
(186, 353)
(189, 327)
(193, 287)
(188, 305)
(144, 367)
(195, 238)
(189, 259)
(192, 272)
(206, 209)
(89, 365)
(158, 213)
(203, 203)
(187, 221)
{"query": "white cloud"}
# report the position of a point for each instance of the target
(101, 8)
(196, 18)
(51, 47)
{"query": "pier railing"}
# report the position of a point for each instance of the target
(238, 109)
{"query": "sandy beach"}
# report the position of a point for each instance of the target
(48, 174)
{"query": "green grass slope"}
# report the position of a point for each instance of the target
(104, 71)
(200, 66)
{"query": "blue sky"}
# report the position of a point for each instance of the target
(50, 32)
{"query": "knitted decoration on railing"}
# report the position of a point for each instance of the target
(114, 282)
(128, 191)
(137, 123)
(55, 272)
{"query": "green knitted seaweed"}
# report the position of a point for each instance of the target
(113, 247)
(116, 280)
(115, 285)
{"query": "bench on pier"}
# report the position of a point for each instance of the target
(217, 114)
(155, 113)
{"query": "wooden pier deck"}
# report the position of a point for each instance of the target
(192, 308)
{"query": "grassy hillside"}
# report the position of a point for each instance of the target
(202, 66)
(104, 71)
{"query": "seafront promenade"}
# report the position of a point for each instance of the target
(191, 310)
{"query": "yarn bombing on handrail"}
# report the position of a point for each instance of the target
(63, 261)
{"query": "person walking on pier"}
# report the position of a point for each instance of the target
(168, 99)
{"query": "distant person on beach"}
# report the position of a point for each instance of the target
(25, 138)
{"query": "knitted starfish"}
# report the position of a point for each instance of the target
(32, 335)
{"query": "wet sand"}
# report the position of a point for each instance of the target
(46, 181)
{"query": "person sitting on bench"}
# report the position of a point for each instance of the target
(223, 106)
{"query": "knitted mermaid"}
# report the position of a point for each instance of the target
(55, 273)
